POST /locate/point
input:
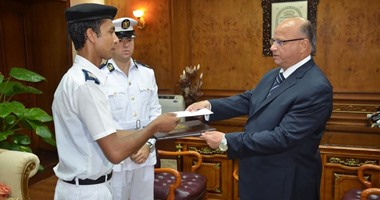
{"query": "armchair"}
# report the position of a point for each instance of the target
(235, 174)
(370, 192)
(15, 170)
(170, 184)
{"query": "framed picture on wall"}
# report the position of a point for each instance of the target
(274, 11)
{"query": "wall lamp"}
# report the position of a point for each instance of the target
(140, 20)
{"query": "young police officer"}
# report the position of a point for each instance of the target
(88, 141)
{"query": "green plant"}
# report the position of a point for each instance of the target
(15, 118)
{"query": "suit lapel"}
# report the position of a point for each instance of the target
(267, 84)
(287, 83)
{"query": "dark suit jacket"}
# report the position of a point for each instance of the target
(278, 151)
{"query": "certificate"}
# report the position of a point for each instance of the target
(283, 10)
(200, 112)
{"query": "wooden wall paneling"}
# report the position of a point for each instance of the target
(230, 42)
(15, 36)
(351, 136)
(348, 42)
(224, 43)
(348, 124)
(13, 39)
(51, 51)
(33, 36)
(180, 21)
(153, 43)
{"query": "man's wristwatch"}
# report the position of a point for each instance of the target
(151, 146)
(223, 144)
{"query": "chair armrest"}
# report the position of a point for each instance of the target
(176, 184)
(15, 170)
(369, 191)
(184, 153)
(235, 174)
(361, 169)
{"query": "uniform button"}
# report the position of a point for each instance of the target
(134, 114)
(130, 83)
(133, 98)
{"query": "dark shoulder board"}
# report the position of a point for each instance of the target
(142, 64)
(90, 76)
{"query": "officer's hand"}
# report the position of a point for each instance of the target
(166, 122)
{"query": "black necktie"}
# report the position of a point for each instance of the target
(279, 78)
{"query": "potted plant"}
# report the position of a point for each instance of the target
(15, 118)
(190, 84)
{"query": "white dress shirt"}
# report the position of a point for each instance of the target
(81, 116)
(134, 102)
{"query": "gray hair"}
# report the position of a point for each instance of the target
(307, 30)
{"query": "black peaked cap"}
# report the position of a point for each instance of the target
(89, 11)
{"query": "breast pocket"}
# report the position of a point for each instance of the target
(146, 92)
(118, 102)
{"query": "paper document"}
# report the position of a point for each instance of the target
(203, 111)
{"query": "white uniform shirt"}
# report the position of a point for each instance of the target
(134, 102)
(81, 116)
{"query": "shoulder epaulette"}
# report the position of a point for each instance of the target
(110, 67)
(145, 65)
(102, 65)
(90, 76)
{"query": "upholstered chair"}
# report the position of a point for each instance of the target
(170, 184)
(370, 192)
(16, 168)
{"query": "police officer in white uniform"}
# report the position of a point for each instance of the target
(88, 141)
(132, 91)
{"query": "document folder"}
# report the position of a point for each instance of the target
(185, 129)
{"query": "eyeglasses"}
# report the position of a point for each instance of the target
(281, 43)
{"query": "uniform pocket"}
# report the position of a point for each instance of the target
(145, 92)
(118, 102)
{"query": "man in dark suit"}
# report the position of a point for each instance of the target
(287, 112)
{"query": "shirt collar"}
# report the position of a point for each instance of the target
(131, 65)
(87, 65)
(293, 68)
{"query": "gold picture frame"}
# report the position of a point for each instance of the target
(274, 11)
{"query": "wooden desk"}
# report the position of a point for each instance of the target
(216, 167)
(340, 164)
